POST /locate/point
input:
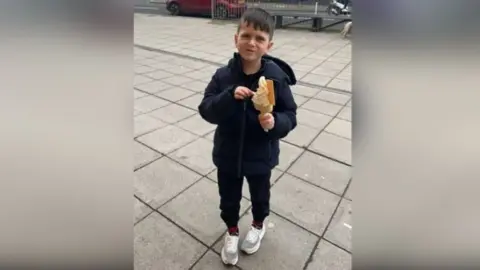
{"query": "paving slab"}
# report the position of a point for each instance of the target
(140, 210)
(143, 155)
(340, 230)
(196, 125)
(196, 155)
(333, 146)
(315, 120)
(167, 139)
(145, 123)
(346, 114)
(330, 257)
(302, 136)
(332, 97)
(175, 94)
(284, 247)
(340, 128)
(323, 107)
(212, 261)
(154, 86)
(159, 244)
(309, 206)
(172, 113)
(161, 181)
(149, 103)
(322, 172)
(192, 102)
(206, 225)
(288, 154)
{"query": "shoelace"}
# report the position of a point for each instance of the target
(230, 242)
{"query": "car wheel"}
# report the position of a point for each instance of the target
(174, 9)
(221, 12)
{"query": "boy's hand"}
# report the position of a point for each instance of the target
(242, 92)
(266, 121)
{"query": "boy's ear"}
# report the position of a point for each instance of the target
(235, 39)
(270, 45)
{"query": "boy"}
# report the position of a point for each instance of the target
(245, 143)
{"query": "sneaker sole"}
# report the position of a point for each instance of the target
(226, 261)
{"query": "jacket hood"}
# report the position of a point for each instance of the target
(274, 67)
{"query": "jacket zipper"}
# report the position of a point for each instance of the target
(242, 140)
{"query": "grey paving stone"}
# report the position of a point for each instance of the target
(138, 94)
(338, 59)
(333, 146)
(312, 119)
(143, 69)
(302, 135)
(196, 86)
(200, 75)
(210, 136)
(178, 69)
(333, 65)
(305, 90)
(140, 210)
(349, 104)
(330, 257)
(348, 194)
(340, 127)
(344, 75)
(192, 102)
(157, 244)
(299, 100)
(284, 247)
(322, 107)
(175, 94)
(159, 74)
(341, 84)
(302, 67)
(149, 103)
(320, 70)
(322, 172)
(337, 98)
(172, 113)
(140, 79)
(143, 155)
(145, 123)
(308, 206)
(162, 180)
(196, 125)
(154, 87)
(196, 155)
(288, 153)
(178, 80)
(167, 139)
(340, 230)
(212, 261)
(206, 224)
(136, 112)
(315, 79)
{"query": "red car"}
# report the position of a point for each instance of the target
(221, 8)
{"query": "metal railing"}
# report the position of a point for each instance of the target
(230, 9)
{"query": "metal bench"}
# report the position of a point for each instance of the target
(318, 23)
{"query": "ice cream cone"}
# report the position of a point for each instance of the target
(264, 99)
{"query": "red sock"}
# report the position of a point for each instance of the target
(233, 230)
(257, 224)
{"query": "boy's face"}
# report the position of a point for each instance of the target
(252, 44)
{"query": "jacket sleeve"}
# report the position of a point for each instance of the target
(217, 104)
(285, 113)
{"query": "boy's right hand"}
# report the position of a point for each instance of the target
(242, 92)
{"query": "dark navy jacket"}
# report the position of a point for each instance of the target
(240, 143)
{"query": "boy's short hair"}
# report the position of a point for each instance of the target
(259, 19)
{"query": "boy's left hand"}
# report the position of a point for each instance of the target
(266, 121)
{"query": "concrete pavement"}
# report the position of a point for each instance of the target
(177, 223)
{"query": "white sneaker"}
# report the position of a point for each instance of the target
(229, 252)
(252, 241)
